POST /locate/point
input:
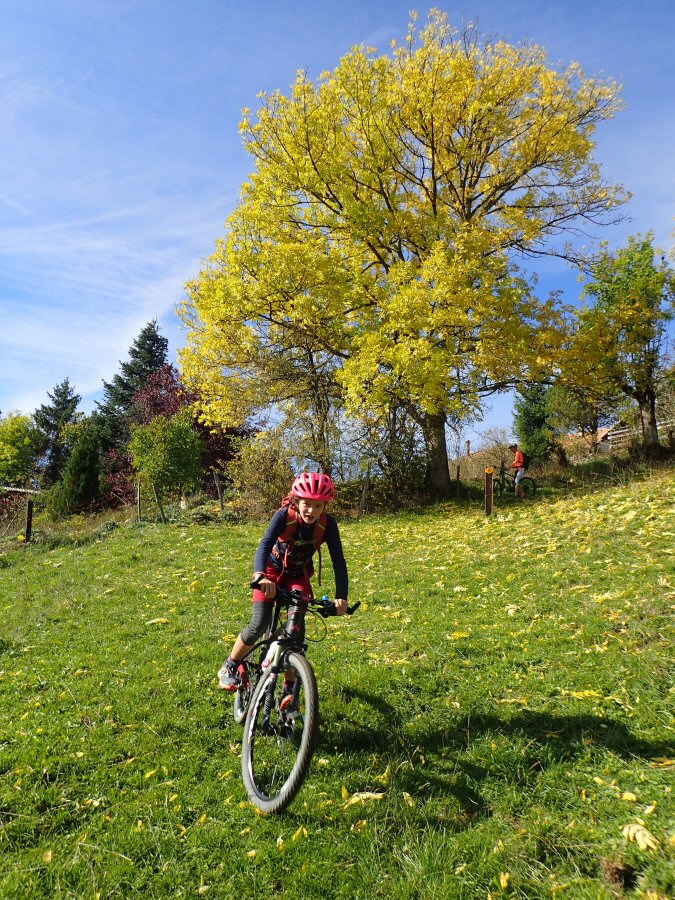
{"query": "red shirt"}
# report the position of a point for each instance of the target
(518, 462)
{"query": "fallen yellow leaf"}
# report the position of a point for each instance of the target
(385, 777)
(361, 797)
(641, 836)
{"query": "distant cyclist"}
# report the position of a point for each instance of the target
(284, 558)
(519, 464)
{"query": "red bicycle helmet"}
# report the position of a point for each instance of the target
(313, 486)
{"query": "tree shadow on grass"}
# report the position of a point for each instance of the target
(440, 759)
(563, 735)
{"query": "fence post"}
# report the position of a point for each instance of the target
(29, 521)
(489, 472)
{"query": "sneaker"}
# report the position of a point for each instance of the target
(228, 677)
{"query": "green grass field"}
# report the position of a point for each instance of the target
(506, 688)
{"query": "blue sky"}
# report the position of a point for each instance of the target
(120, 157)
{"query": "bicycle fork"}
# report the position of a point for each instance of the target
(275, 671)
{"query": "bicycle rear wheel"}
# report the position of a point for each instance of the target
(278, 744)
(529, 487)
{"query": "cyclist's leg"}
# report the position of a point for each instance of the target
(291, 583)
(261, 618)
(518, 489)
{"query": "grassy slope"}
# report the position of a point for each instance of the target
(508, 689)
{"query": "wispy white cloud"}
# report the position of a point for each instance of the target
(120, 158)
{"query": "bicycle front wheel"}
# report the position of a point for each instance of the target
(497, 488)
(279, 742)
(529, 487)
(242, 698)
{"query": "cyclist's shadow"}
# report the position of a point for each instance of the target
(437, 760)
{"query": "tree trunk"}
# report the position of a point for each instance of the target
(364, 493)
(437, 475)
(650, 432)
(158, 500)
(219, 488)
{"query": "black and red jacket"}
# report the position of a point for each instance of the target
(295, 557)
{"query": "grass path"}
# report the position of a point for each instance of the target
(507, 688)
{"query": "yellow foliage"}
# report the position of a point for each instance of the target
(371, 250)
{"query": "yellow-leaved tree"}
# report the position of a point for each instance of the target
(381, 230)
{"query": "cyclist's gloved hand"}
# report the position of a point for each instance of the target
(340, 607)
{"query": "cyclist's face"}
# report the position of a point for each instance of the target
(310, 510)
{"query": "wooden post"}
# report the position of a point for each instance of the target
(457, 484)
(138, 499)
(29, 521)
(489, 472)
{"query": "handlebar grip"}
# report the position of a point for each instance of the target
(330, 610)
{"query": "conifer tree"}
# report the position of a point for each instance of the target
(147, 354)
(51, 419)
(531, 420)
(79, 486)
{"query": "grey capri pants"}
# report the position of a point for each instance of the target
(261, 619)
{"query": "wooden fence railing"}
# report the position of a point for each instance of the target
(619, 438)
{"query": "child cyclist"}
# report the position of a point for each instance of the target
(284, 559)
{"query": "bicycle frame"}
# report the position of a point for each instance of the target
(250, 669)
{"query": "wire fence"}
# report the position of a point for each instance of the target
(17, 507)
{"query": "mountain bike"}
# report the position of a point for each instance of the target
(504, 481)
(280, 727)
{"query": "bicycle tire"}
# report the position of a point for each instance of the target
(278, 745)
(497, 488)
(529, 487)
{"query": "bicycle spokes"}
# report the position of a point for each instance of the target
(280, 735)
(276, 734)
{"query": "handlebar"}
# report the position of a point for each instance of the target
(323, 606)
